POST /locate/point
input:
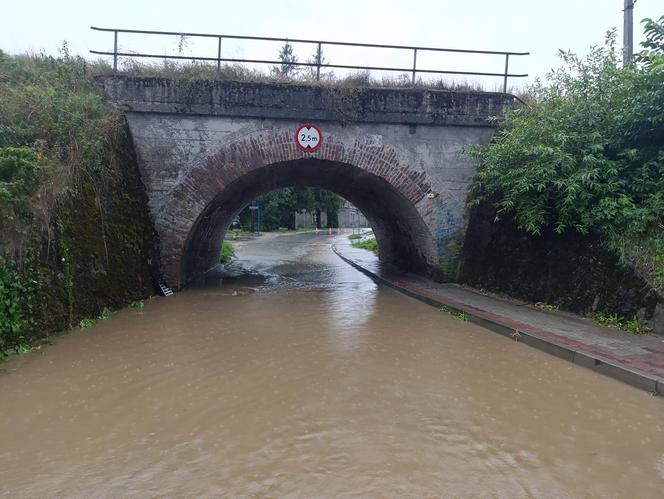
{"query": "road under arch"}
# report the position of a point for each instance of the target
(403, 236)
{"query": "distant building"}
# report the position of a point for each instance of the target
(349, 216)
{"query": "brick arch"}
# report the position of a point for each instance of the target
(392, 195)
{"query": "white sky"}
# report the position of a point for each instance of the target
(540, 27)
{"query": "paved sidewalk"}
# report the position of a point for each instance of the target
(634, 359)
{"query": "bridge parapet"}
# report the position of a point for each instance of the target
(326, 102)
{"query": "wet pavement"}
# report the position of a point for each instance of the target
(292, 374)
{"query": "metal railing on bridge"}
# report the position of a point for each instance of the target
(318, 64)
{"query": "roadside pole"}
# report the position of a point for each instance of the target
(628, 31)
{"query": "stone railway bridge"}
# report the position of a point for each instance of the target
(207, 148)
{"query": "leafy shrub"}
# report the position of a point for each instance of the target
(616, 321)
(587, 155)
(55, 135)
(13, 323)
(72, 213)
(18, 177)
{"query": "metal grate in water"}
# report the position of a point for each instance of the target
(165, 290)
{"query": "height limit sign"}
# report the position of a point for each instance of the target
(308, 137)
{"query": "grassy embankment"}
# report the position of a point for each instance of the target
(365, 241)
(75, 238)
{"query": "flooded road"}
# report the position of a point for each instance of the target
(300, 377)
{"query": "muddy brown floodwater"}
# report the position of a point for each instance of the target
(300, 377)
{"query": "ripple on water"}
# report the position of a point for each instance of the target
(306, 379)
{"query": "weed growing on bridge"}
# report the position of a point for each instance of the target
(197, 70)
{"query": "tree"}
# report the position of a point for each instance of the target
(328, 202)
(288, 67)
(588, 154)
(653, 45)
(278, 207)
(316, 58)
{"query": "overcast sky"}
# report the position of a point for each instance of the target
(540, 27)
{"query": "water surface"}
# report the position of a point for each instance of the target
(299, 377)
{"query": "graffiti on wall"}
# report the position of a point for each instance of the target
(448, 225)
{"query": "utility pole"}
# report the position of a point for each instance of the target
(628, 31)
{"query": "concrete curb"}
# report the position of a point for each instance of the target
(639, 379)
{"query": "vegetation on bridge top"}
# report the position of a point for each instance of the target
(236, 72)
(286, 72)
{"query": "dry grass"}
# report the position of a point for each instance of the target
(195, 70)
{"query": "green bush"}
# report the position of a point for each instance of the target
(55, 136)
(13, 323)
(587, 154)
(616, 321)
(18, 177)
(73, 223)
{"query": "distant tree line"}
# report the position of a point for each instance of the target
(278, 208)
(289, 69)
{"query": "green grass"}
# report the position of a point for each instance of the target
(196, 70)
(634, 325)
(455, 314)
(546, 306)
(91, 321)
(364, 240)
(227, 252)
(367, 244)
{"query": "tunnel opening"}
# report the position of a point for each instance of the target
(403, 238)
(297, 208)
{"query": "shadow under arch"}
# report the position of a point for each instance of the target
(403, 237)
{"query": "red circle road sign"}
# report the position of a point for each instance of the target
(308, 137)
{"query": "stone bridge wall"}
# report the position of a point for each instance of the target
(207, 148)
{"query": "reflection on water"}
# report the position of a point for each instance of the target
(300, 377)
